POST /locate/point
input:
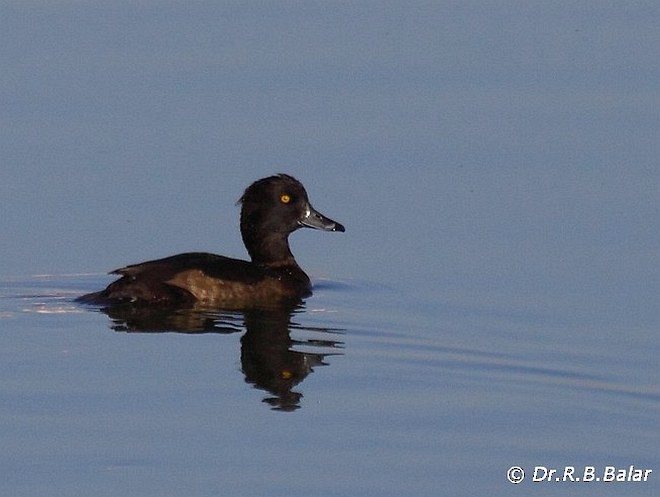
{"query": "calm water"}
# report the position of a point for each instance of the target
(493, 302)
(336, 398)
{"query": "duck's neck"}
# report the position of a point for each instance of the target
(271, 250)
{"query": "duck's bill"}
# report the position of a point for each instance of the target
(316, 220)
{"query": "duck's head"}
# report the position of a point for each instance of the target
(271, 209)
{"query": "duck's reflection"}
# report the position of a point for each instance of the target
(271, 359)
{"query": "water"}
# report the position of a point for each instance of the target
(375, 401)
(493, 302)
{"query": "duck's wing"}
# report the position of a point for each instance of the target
(171, 280)
(213, 266)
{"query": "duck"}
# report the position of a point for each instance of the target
(271, 209)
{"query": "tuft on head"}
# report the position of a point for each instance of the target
(264, 183)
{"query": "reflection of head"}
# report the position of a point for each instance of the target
(269, 361)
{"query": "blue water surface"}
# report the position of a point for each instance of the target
(492, 304)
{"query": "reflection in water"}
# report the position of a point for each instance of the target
(269, 356)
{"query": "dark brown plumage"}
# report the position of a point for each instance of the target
(271, 209)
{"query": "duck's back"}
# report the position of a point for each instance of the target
(198, 276)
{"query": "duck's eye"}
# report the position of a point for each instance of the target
(285, 198)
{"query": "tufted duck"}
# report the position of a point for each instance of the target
(272, 208)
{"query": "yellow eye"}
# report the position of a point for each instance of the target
(285, 199)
